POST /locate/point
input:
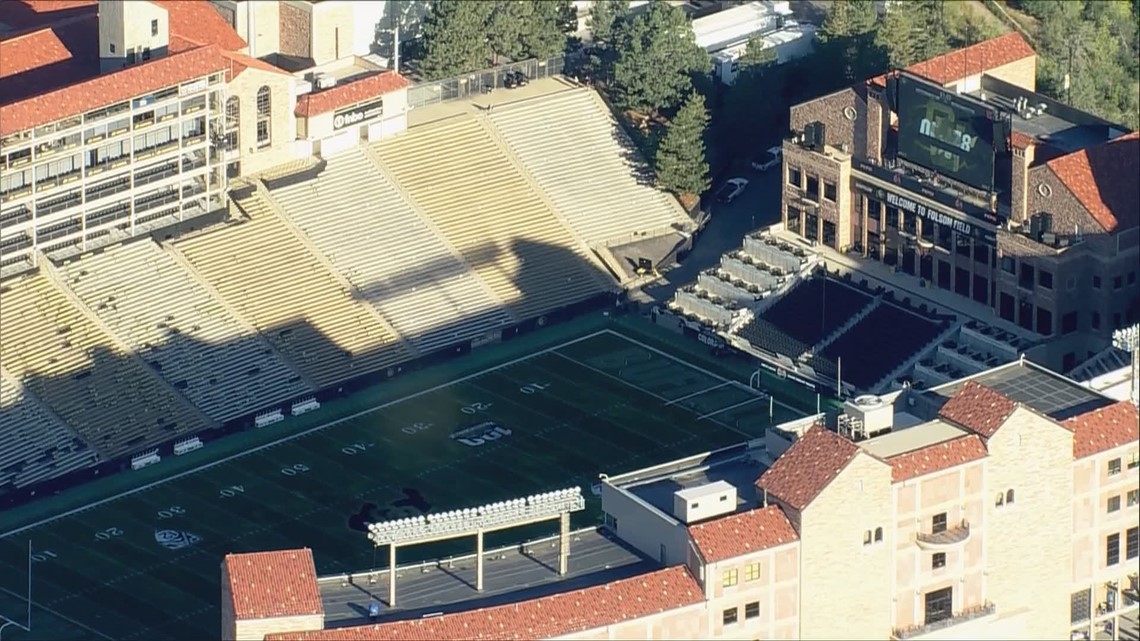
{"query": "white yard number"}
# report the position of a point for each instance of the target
(43, 555)
(533, 388)
(108, 534)
(356, 448)
(416, 428)
(171, 512)
(295, 469)
(231, 491)
(475, 408)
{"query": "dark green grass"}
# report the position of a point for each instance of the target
(602, 404)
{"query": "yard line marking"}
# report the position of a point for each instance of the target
(60, 616)
(311, 430)
(691, 366)
(725, 409)
(677, 400)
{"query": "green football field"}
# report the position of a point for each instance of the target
(145, 563)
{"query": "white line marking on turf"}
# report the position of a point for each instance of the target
(725, 409)
(318, 428)
(60, 616)
(708, 389)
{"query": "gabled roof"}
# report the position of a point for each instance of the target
(273, 584)
(1104, 429)
(978, 409)
(807, 467)
(739, 534)
(349, 94)
(49, 57)
(199, 22)
(970, 61)
(544, 618)
(936, 457)
(239, 62)
(1103, 179)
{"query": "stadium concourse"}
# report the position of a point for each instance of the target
(268, 238)
(917, 507)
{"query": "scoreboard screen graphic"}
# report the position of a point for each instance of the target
(945, 132)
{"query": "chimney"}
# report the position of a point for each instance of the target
(1019, 192)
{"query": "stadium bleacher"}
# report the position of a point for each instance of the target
(767, 336)
(814, 309)
(389, 253)
(112, 399)
(272, 277)
(34, 445)
(489, 211)
(579, 155)
(166, 316)
(880, 342)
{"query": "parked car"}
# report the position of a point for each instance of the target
(731, 189)
(770, 159)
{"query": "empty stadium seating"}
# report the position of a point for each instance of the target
(34, 445)
(353, 214)
(489, 211)
(163, 313)
(879, 343)
(111, 399)
(763, 334)
(574, 149)
(273, 279)
(814, 309)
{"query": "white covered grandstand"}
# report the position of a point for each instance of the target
(397, 262)
(486, 208)
(165, 315)
(572, 146)
(34, 445)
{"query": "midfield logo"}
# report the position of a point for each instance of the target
(480, 434)
(175, 540)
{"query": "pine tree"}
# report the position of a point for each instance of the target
(656, 60)
(548, 34)
(847, 52)
(897, 34)
(509, 23)
(680, 163)
(455, 38)
(606, 17)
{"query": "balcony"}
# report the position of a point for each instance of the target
(958, 618)
(949, 537)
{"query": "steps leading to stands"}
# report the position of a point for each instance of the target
(839, 331)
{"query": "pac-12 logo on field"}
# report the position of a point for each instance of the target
(479, 434)
(175, 540)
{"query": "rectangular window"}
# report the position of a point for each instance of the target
(1133, 497)
(1045, 279)
(1132, 545)
(1069, 323)
(1112, 549)
(829, 191)
(1096, 282)
(812, 188)
(729, 578)
(938, 523)
(752, 610)
(1117, 282)
(752, 571)
(1026, 280)
(938, 560)
(154, 27)
(795, 178)
(939, 604)
(1133, 460)
(1114, 467)
(730, 616)
(1008, 265)
(146, 53)
(1113, 504)
(111, 45)
(1044, 321)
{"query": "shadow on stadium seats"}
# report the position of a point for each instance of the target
(639, 166)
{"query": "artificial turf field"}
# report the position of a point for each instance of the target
(145, 564)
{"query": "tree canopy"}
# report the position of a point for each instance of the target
(657, 57)
(680, 163)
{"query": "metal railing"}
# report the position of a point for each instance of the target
(967, 614)
(479, 82)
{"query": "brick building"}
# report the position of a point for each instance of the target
(1002, 506)
(1051, 244)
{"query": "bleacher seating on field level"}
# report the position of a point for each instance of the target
(879, 343)
(578, 154)
(34, 445)
(271, 277)
(353, 214)
(489, 211)
(111, 399)
(763, 334)
(815, 308)
(167, 317)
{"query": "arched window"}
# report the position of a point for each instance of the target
(1009, 497)
(878, 535)
(1000, 500)
(867, 538)
(233, 122)
(264, 112)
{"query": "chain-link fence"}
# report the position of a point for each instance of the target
(478, 82)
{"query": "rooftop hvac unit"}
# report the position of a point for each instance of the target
(324, 80)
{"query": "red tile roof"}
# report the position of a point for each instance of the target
(348, 94)
(739, 534)
(1103, 179)
(1020, 140)
(970, 61)
(807, 467)
(937, 457)
(33, 14)
(543, 618)
(110, 88)
(273, 584)
(1104, 429)
(978, 409)
(199, 22)
(48, 58)
(239, 62)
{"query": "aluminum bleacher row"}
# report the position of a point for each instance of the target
(810, 312)
(486, 209)
(879, 343)
(34, 445)
(575, 150)
(392, 256)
